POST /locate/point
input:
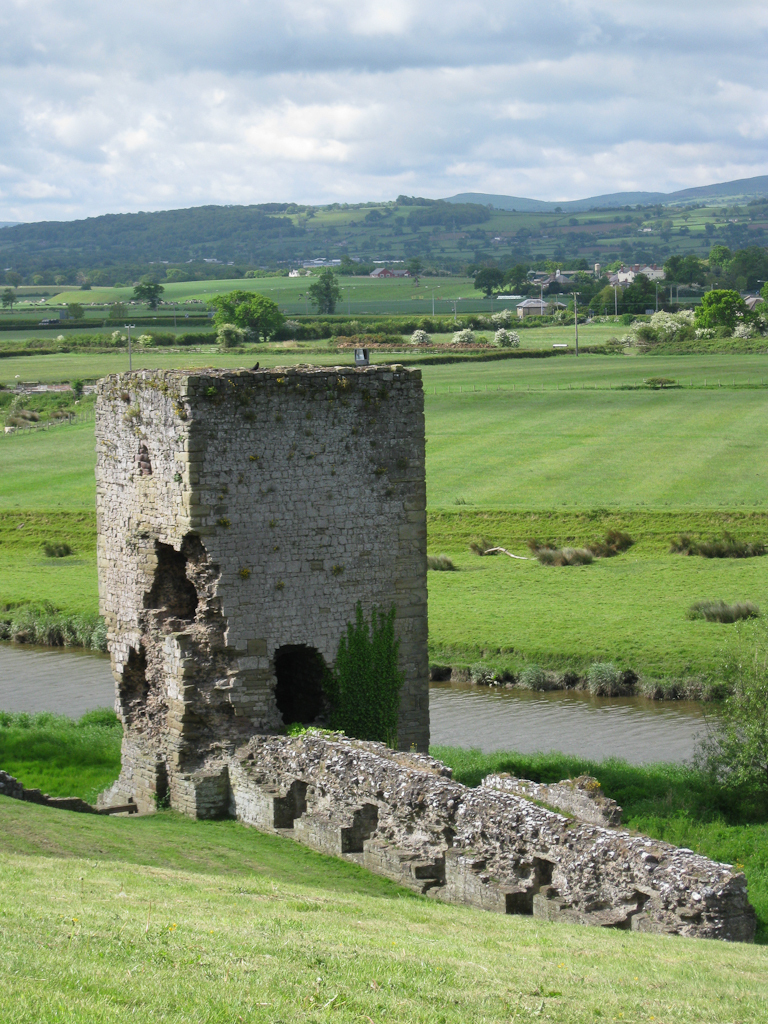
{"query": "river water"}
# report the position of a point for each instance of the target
(641, 731)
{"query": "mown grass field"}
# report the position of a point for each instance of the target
(562, 371)
(161, 918)
(561, 465)
(166, 918)
(630, 609)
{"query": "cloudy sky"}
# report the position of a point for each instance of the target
(160, 104)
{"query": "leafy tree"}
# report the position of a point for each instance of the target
(325, 292)
(149, 292)
(8, 297)
(75, 310)
(736, 748)
(747, 267)
(77, 387)
(13, 278)
(719, 256)
(487, 279)
(722, 307)
(517, 277)
(684, 269)
(117, 311)
(414, 266)
(249, 311)
(638, 296)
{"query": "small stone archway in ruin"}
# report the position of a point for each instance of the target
(301, 671)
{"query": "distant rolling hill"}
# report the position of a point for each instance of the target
(743, 188)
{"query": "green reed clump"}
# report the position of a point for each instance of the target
(44, 624)
(440, 563)
(58, 549)
(719, 611)
(726, 546)
(604, 679)
(533, 677)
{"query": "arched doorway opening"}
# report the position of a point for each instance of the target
(299, 693)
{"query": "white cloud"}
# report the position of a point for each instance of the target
(110, 107)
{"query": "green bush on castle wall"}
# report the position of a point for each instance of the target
(364, 688)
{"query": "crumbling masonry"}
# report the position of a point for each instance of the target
(241, 517)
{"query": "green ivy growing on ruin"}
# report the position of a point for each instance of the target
(364, 688)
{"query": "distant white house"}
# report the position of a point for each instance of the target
(626, 275)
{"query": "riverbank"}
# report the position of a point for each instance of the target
(493, 619)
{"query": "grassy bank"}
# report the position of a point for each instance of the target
(165, 918)
(211, 923)
(60, 756)
(630, 609)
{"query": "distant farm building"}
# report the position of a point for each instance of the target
(538, 307)
(386, 272)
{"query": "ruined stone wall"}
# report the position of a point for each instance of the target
(401, 815)
(241, 514)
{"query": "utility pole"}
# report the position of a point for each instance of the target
(576, 319)
(130, 357)
(615, 300)
(657, 296)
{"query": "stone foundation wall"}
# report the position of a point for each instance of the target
(241, 514)
(401, 815)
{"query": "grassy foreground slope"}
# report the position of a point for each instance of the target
(162, 918)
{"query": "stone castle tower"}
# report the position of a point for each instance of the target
(241, 517)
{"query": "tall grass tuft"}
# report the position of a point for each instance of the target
(533, 677)
(726, 546)
(614, 543)
(719, 611)
(57, 550)
(440, 563)
(604, 679)
(565, 556)
(45, 624)
(548, 553)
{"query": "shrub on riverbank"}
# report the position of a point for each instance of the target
(45, 624)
